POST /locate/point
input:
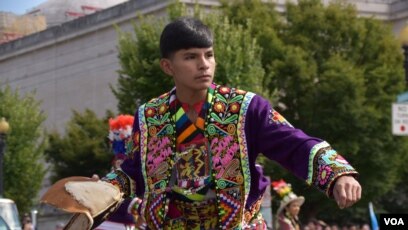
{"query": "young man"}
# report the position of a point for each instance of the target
(192, 162)
(192, 159)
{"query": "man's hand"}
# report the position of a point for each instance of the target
(346, 191)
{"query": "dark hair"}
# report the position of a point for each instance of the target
(184, 33)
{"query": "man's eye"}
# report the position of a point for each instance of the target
(189, 57)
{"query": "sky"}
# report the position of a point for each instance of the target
(19, 6)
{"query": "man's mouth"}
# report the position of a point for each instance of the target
(203, 76)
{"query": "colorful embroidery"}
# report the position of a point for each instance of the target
(143, 150)
(277, 118)
(253, 217)
(159, 149)
(223, 150)
(133, 207)
(155, 213)
(156, 144)
(242, 142)
(226, 154)
(132, 145)
(193, 164)
(325, 165)
(123, 181)
(226, 137)
(230, 201)
(201, 215)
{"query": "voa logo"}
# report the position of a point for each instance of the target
(394, 221)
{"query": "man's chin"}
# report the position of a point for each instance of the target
(203, 85)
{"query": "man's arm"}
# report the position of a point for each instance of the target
(309, 158)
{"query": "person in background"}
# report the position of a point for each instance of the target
(320, 225)
(310, 225)
(289, 208)
(335, 227)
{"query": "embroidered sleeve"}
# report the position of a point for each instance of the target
(120, 180)
(325, 166)
(309, 158)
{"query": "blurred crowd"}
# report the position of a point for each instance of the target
(315, 224)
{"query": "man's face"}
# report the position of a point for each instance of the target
(192, 69)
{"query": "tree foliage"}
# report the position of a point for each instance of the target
(237, 54)
(22, 167)
(83, 150)
(337, 75)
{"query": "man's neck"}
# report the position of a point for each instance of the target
(191, 98)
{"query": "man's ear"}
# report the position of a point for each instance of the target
(165, 65)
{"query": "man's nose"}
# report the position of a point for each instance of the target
(204, 63)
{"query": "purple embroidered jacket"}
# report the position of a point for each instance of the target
(310, 159)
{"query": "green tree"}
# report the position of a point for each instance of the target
(337, 75)
(265, 26)
(83, 150)
(23, 160)
(237, 54)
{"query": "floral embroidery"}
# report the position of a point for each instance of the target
(234, 107)
(156, 146)
(152, 131)
(325, 166)
(253, 217)
(224, 90)
(324, 172)
(219, 107)
(163, 109)
(240, 91)
(150, 112)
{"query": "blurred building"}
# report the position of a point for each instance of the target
(13, 26)
(48, 14)
(57, 12)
